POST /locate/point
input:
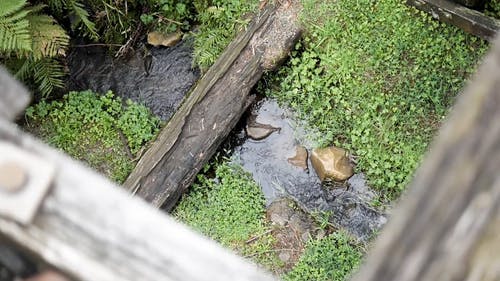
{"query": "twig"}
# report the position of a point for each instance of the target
(170, 20)
(258, 236)
(270, 251)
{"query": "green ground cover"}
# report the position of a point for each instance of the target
(230, 208)
(219, 22)
(376, 77)
(332, 258)
(492, 8)
(102, 131)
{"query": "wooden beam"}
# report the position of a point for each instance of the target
(214, 107)
(93, 230)
(447, 226)
(14, 98)
(471, 21)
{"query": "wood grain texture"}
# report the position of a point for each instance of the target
(213, 108)
(443, 227)
(93, 230)
(13, 96)
(471, 21)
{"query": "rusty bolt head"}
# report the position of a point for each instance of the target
(12, 177)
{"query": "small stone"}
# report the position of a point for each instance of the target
(156, 38)
(279, 212)
(12, 177)
(257, 131)
(320, 233)
(300, 158)
(284, 256)
(331, 163)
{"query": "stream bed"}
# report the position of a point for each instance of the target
(162, 90)
(267, 160)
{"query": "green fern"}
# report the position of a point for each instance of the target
(49, 38)
(48, 75)
(14, 27)
(78, 10)
(31, 41)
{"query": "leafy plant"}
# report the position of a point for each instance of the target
(31, 42)
(332, 258)
(377, 78)
(230, 209)
(492, 8)
(169, 15)
(219, 21)
(89, 127)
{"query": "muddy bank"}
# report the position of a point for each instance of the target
(267, 160)
(161, 87)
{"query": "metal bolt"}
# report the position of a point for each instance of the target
(12, 177)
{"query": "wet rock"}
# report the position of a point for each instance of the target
(156, 38)
(267, 161)
(279, 212)
(331, 163)
(292, 228)
(258, 131)
(300, 158)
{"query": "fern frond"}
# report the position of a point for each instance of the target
(14, 27)
(25, 71)
(48, 75)
(10, 7)
(83, 18)
(57, 5)
(49, 38)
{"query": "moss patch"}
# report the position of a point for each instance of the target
(376, 77)
(230, 209)
(99, 130)
(332, 258)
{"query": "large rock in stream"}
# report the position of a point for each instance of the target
(170, 75)
(269, 162)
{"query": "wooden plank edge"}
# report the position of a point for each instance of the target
(471, 21)
(93, 230)
(14, 97)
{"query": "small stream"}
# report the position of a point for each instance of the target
(170, 78)
(162, 90)
(267, 161)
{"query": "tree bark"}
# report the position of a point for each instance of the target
(471, 21)
(214, 107)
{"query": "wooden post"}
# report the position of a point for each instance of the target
(214, 107)
(447, 227)
(13, 94)
(91, 229)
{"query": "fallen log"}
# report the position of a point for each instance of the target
(471, 21)
(214, 106)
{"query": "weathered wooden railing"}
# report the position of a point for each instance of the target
(471, 21)
(446, 228)
(86, 226)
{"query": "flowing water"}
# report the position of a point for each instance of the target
(162, 90)
(267, 161)
(170, 77)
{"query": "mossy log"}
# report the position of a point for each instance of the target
(214, 106)
(471, 21)
(448, 225)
